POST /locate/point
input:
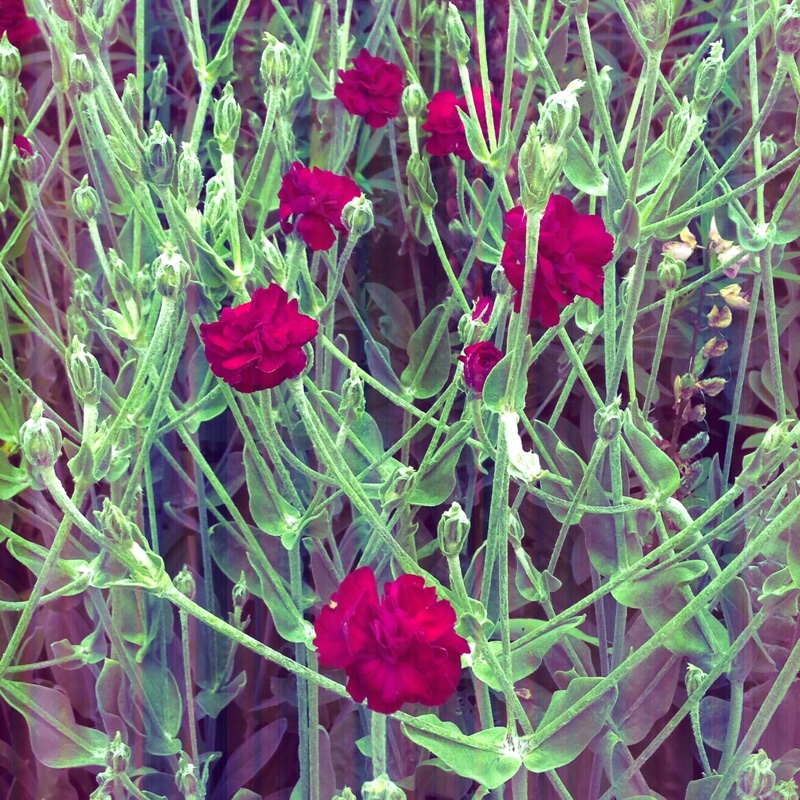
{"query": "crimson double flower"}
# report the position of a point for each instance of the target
(373, 89)
(313, 199)
(479, 360)
(15, 22)
(258, 345)
(401, 648)
(446, 128)
(573, 250)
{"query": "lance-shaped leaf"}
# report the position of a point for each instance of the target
(487, 758)
(496, 388)
(568, 741)
(582, 171)
(163, 707)
(436, 482)
(396, 324)
(57, 740)
(429, 381)
(660, 468)
(270, 511)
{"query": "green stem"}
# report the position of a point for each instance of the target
(188, 688)
(378, 741)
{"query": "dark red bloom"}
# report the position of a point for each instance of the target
(573, 250)
(372, 89)
(447, 129)
(401, 648)
(259, 344)
(483, 310)
(479, 360)
(317, 197)
(24, 146)
(16, 23)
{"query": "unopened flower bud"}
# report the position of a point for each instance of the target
(671, 272)
(83, 372)
(28, 167)
(421, 192)
(215, 210)
(190, 176)
(606, 84)
(240, 593)
(382, 789)
(277, 62)
(694, 677)
(773, 449)
(539, 167)
(398, 485)
(353, 401)
(357, 216)
(85, 201)
(787, 30)
(453, 529)
(185, 583)
(159, 156)
(457, 40)
(482, 312)
(710, 77)
(608, 420)
(785, 790)
(132, 100)
(10, 61)
(655, 19)
(560, 115)
(227, 119)
(172, 271)
(756, 779)
(186, 777)
(414, 100)
(118, 755)
(347, 794)
(157, 90)
(676, 127)
(80, 72)
(769, 150)
(41, 439)
(117, 527)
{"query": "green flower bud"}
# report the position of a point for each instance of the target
(80, 72)
(83, 372)
(457, 40)
(606, 85)
(347, 794)
(785, 790)
(10, 61)
(118, 755)
(399, 485)
(157, 90)
(769, 150)
(560, 115)
(240, 593)
(85, 201)
(172, 271)
(117, 527)
(671, 272)
(41, 439)
(421, 192)
(774, 448)
(215, 209)
(277, 62)
(414, 100)
(540, 166)
(30, 168)
(382, 789)
(159, 156)
(676, 127)
(787, 30)
(132, 100)
(709, 80)
(694, 677)
(227, 119)
(185, 583)
(357, 216)
(756, 778)
(190, 176)
(186, 777)
(608, 420)
(353, 401)
(452, 531)
(655, 20)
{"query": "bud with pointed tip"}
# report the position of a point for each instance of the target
(240, 593)
(215, 210)
(118, 755)
(353, 401)
(769, 150)
(347, 794)
(655, 20)
(80, 72)
(414, 100)
(172, 271)
(357, 216)
(710, 77)
(676, 127)
(41, 439)
(382, 789)
(132, 100)
(116, 525)
(277, 62)
(185, 583)
(452, 530)
(10, 61)
(608, 420)
(85, 201)
(83, 372)
(157, 90)
(560, 115)
(190, 176)
(694, 678)
(227, 119)
(421, 192)
(671, 272)
(400, 484)
(159, 156)
(457, 40)
(787, 30)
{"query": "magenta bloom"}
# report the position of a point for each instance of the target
(483, 310)
(479, 360)
(23, 145)
(573, 250)
(259, 344)
(446, 128)
(401, 648)
(16, 23)
(313, 199)
(372, 89)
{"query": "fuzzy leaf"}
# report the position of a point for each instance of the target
(495, 388)
(582, 171)
(428, 382)
(436, 483)
(660, 468)
(396, 325)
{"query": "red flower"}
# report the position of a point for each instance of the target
(399, 649)
(483, 310)
(16, 23)
(372, 89)
(573, 249)
(24, 146)
(479, 360)
(447, 129)
(259, 344)
(317, 197)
